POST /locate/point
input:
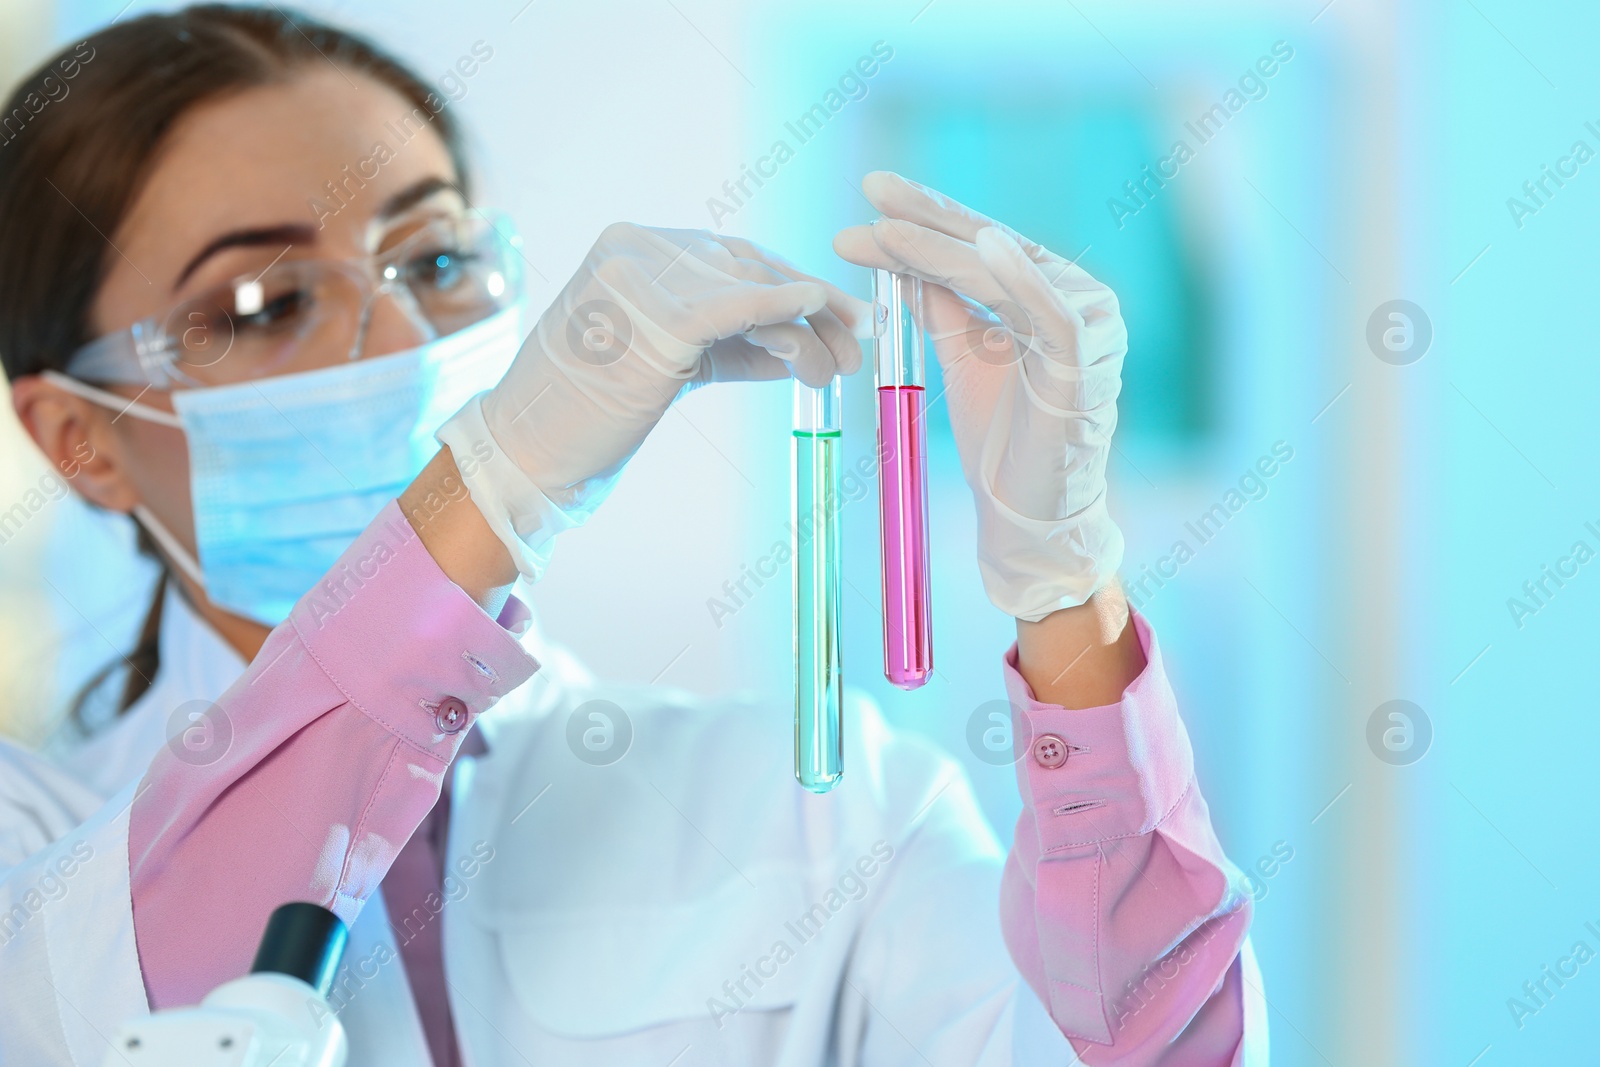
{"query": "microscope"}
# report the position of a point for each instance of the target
(275, 1016)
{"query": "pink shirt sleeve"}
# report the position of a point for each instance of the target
(1117, 903)
(314, 768)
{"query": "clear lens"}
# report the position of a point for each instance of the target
(199, 333)
(458, 273)
(300, 315)
(292, 316)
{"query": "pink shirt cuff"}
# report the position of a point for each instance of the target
(1127, 764)
(398, 638)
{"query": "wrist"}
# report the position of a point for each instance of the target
(456, 534)
(515, 510)
(1083, 656)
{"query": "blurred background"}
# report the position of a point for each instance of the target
(1316, 217)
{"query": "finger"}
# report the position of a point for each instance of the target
(845, 318)
(946, 313)
(938, 258)
(968, 338)
(736, 359)
(839, 339)
(900, 198)
(1061, 333)
(1028, 304)
(730, 310)
(735, 309)
(1034, 312)
(842, 343)
(852, 311)
(855, 244)
(797, 345)
(949, 267)
(1026, 282)
(739, 258)
(859, 245)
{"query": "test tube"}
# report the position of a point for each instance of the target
(819, 686)
(903, 481)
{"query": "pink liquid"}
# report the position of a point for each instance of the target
(903, 516)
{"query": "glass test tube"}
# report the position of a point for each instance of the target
(903, 486)
(819, 686)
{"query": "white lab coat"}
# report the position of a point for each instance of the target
(565, 946)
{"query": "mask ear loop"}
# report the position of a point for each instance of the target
(120, 404)
(170, 545)
(179, 555)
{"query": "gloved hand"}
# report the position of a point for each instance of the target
(648, 315)
(1031, 348)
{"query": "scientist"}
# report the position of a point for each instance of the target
(339, 440)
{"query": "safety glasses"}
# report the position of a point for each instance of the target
(303, 314)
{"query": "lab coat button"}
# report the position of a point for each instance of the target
(1049, 751)
(451, 716)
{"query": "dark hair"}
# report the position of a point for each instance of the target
(78, 139)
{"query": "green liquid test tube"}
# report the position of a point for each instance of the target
(819, 682)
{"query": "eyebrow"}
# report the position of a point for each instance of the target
(302, 234)
(266, 235)
(415, 194)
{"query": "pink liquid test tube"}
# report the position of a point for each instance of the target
(903, 485)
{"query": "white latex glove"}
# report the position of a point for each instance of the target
(649, 314)
(1031, 348)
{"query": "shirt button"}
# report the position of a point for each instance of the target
(451, 716)
(1049, 751)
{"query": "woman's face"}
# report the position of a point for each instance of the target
(239, 183)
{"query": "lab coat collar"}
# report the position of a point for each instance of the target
(196, 665)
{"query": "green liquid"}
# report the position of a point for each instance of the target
(819, 684)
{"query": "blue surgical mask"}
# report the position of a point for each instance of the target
(285, 472)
